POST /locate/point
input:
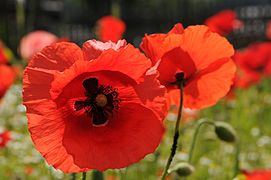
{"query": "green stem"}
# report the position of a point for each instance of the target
(176, 134)
(200, 123)
(84, 176)
(123, 174)
(73, 176)
(237, 160)
(97, 175)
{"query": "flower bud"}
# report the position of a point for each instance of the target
(225, 132)
(183, 169)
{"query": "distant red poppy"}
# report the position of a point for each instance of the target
(3, 56)
(5, 53)
(96, 108)
(254, 63)
(7, 77)
(34, 41)
(28, 170)
(224, 22)
(110, 28)
(258, 175)
(4, 138)
(203, 58)
(268, 30)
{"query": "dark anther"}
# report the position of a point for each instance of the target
(100, 101)
(91, 85)
(78, 105)
(99, 116)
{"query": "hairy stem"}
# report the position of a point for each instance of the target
(204, 121)
(176, 134)
(84, 176)
(73, 176)
(97, 175)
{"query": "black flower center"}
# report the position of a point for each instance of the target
(100, 101)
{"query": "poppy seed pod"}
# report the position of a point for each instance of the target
(225, 132)
(183, 169)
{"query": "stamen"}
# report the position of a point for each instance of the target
(101, 101)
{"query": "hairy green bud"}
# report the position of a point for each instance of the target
(183, 169)
(225, 132)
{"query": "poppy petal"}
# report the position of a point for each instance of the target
(177, 29)
(37, 83)
(175, 61)
(152, 93)
(210, 85)
(92, 48)
(58, 56)
(204, 46)
(119, 61)
(173, 97)
(41, 69)
(128, 136)
(47, 132)
(83, 70)
(152, 46)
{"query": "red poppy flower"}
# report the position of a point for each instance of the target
(4, 138)
(258, 175)
(96, 108)
(110, 28)
(224, 22)
(254, 63)
(7, 77)
(34, 42)
(203, 57)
